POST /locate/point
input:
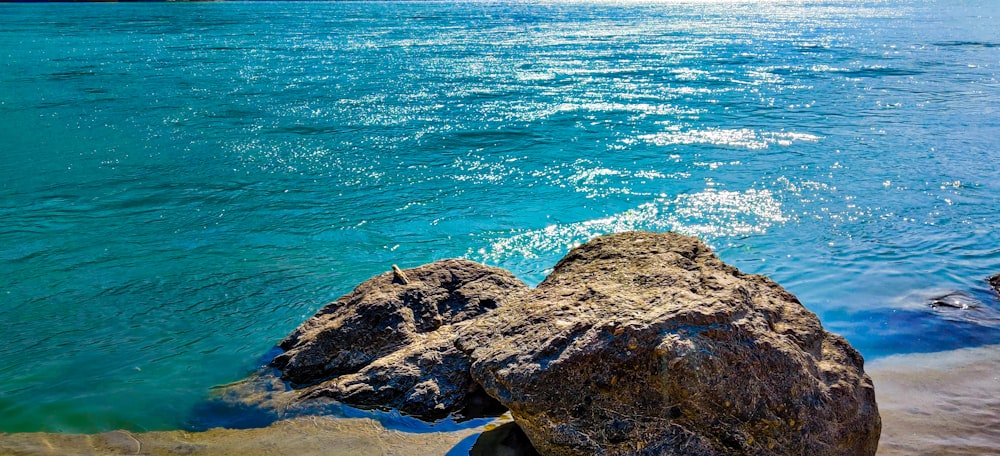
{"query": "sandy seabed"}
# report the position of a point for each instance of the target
(945, 403)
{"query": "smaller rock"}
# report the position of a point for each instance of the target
(995, 282)
(955, 300)
(428, 379)
(962, 307)
(399, 276)
(389, 343)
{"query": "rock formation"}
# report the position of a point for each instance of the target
(995, 282)
(637, 343)
(389, 343)
(643, 343)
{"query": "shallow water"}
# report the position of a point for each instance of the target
(185, 183)
(931, 404)
(939, 403)
(318, 436)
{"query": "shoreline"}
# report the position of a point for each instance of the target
(930, 403)
(305, 435)
(939, 403)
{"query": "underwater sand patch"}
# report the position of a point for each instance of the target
(939, 403)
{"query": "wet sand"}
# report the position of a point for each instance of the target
(945, 403)
(299, 436)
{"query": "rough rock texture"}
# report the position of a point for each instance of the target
(643, 343)
(995, 282)
(389, 343)
(429, 378)
(637, 343)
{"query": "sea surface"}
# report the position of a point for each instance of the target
(181, 185)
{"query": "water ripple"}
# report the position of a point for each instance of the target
(709, 215)
(173, 208)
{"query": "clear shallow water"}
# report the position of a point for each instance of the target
(183, 184)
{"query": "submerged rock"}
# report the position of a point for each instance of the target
(637, 343)
(643, 343)
(965, 308)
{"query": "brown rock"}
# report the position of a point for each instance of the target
(643, 343)
(637, 343)
(429, 379)
(379, 345)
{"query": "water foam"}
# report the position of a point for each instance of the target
(709, 214)
(743, 137)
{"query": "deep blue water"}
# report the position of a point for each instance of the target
(183, 184)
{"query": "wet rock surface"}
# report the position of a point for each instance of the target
(637, 343)
(995, 282)
(963, 307)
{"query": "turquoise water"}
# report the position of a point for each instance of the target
(183, 184)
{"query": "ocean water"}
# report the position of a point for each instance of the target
(183, 184)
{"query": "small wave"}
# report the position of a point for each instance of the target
(709, 214)
(304, 130)
(72, 74)
(982, 44)
(637, 108)
(880, 71)
(743, 138)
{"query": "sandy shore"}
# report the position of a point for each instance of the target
(300, 436)
(945, 403)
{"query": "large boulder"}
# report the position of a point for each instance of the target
(637, 343)
(644, 343)
(389, 342)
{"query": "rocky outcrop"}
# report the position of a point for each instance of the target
(643, 343)
(995, 282)
(637, 343)
(429, 379)
(389, 343)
